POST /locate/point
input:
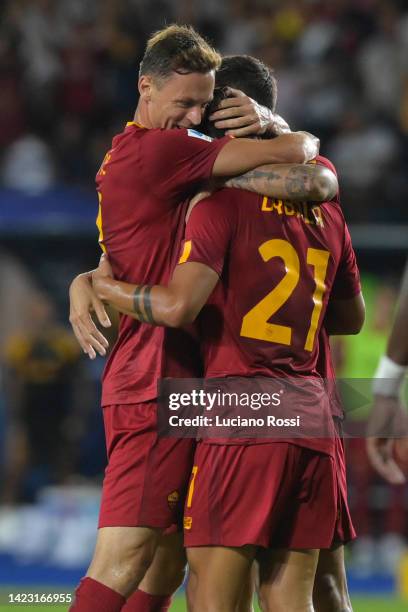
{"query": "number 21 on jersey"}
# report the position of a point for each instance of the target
(255, 322)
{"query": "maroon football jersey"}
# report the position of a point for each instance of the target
(279, 263)
(142, 184)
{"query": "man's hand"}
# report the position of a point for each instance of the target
(241, 116)
(83, 301)
(381, 455)
(387, 420)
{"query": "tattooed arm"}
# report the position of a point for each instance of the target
(296, 182)
(173, 306)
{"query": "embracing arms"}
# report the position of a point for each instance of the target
(295, 182)
(174, 305)
(286, 177)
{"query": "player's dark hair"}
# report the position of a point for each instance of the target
(206, 126)
(248, 74)
(251, 76)
(180, 49)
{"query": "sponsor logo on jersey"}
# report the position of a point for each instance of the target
(196, 134)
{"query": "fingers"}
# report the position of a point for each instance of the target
(248, 125)
(234, 97)
(101, 313)
(392, 473)
(238, 122)
(234, 93)
(379, 452)
(249, 130)
(91, 340)
(86, 347)
(232, 111)
(227, 104)
(241, 117)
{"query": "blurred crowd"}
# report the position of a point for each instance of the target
(68, 76)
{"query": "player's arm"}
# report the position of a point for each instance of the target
(345, 312)
(238, 156)
(397, 348)
(296, 182)
(388, 419)
(173, 306)
(175, 163)
(345, 317)
(240, 116)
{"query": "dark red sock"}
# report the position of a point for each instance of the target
(92, 595)
(144, 602)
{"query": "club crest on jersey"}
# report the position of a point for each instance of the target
(196, 134)
(173, 499)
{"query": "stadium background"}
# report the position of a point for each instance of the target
(68, 73)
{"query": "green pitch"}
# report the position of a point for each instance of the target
(360, 604)
(379, 605)
(363, 604)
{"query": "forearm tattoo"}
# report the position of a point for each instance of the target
(142, 304)
(298, 183)
(250, 180)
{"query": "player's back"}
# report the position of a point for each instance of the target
(283, 262)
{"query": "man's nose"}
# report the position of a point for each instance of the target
(195, 115)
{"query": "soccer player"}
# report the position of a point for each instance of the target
(313, 273)
(382, 446)
(147, 177)
(330, 592)
(330, 589)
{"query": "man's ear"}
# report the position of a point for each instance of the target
(145, 86)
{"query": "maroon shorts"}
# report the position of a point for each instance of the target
(146, 478)
(345, 531)
(276, 495)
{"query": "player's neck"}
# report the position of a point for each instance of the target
(142, 116)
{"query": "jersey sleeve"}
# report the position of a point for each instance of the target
(174, 162)
(347, 281)
(209, 232)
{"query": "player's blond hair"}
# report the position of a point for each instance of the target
(178, 48)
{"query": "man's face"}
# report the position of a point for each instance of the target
(179, 101)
